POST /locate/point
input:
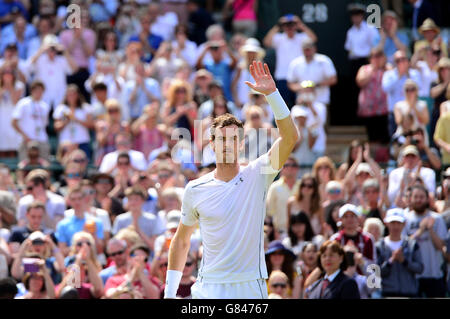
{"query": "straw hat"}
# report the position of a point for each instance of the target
(427, 25)
(252, 45)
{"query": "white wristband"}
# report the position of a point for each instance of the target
(173, 279)
(279, 107)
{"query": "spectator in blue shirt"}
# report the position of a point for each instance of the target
(9, 9)
(220, 67)
(140, 92)
(69, 226)
(150, 41)
(391, 40)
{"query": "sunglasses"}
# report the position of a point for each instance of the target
(113, 111)
(79, 160)
(117, 253)
(89, 192)
(73, 175)
(164, 265)
(411, 90)
(80, 243)
(307, 185)
(334, 191)
(161, 176)
(103, 181)
(30, 188)
(279, 285)
(400, 60)
(123, 163)
(290, 165)
(189, 264)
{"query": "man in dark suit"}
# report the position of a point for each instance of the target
(334, 284)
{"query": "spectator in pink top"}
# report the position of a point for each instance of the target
(244, 18)
(81, 44)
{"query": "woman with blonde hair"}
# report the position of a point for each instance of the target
(130, 235)
(82, 263)
(179, 110)
(324, 171)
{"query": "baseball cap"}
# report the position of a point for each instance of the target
(37, 236)
(410, 149)
(349, 208)
(363, 167)
(173, 219)
(298, 111)
(395, 215)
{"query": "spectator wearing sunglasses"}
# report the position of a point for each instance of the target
(135, 283)
(71, 179)
(278, 285)
(123, 144)
(307, 199)
(84, 255)
(37, 182)
(393, 85)
(76, 220)
(117, 251)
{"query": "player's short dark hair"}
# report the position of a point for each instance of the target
(225, 120)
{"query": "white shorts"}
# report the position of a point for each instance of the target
(254, 289)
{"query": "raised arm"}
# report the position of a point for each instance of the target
(283, 146)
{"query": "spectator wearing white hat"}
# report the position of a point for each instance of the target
(399, 258)
(409, 168)
(52, 68)
(303, 150)
(316, 116)
(249, 52)
(352, 235)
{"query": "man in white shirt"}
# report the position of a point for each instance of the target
(400, 178)
(288, 46)
(123, 144)
(314, 67)
(51, 64)
(229, 204)
(30, 118)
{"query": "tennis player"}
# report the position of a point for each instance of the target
(229, 205)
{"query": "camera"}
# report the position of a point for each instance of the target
(350, 257)
(414, 141)
(30, 264)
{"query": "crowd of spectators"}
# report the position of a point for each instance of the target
(124, 102)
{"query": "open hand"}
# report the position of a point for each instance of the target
(264, 82)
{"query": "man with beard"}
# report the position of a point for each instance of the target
(428, 229)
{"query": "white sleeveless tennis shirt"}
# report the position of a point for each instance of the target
(231, 219)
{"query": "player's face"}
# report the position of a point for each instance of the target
(226, 144)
